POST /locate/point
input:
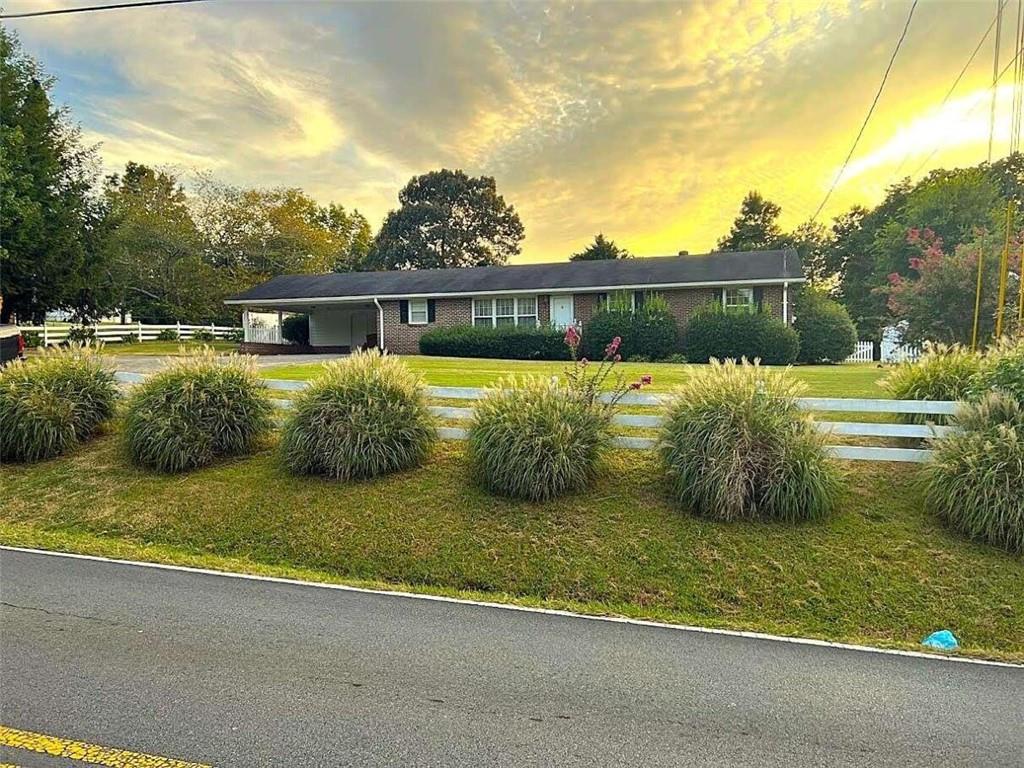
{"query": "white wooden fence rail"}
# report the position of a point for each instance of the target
(817, 404)
(113, 333)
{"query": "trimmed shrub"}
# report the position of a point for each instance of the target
(365, 416)
(203, 335)
(532, 439)
(737, 446)
(714, 333)
(827, 333)
(1001, 369)
(129, 338)
(167, 334)
(975, 480)
(650, 333)
(52, 401)
(503, 343)
(33, 339)
(236, 335)
(196, 410)
(295, 329)
(941, 373)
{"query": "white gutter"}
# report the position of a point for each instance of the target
(520, 292)
(380, 324)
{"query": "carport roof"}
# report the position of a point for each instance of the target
(656, 272)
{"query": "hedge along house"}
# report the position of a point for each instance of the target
(391, 310)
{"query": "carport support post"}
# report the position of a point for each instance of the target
(785, 303)
(280, 327)
(245, 325)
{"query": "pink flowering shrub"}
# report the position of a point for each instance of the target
(587, 381)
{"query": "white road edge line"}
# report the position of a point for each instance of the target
(513, 607)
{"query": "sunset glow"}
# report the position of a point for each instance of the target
(648, 122)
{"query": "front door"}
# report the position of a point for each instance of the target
(562, 314)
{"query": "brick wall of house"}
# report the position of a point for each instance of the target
(404, 339)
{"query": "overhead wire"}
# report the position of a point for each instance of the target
(871, 110)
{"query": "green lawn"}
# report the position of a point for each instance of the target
(882, 571)
(167, 348)
(855, 380)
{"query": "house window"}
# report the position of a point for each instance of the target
(526, 311)
(505, 310)
(738, 300)
(418, 313)
(483, 312)
(620, 301)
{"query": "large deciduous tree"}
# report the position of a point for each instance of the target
(756, 228)
(602, 249)
(256, 234)
(448, 219)
(50, 221)
(157, 252)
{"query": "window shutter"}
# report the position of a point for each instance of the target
(602, 301)
(759, 298)
(403, 312)
(431, 311)
(639, 297)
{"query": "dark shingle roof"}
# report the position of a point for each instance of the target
(578, 275)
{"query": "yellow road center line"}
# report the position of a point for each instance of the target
(86, 753)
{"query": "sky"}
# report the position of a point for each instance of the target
(646, 121)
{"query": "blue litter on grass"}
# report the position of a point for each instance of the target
(944, 640)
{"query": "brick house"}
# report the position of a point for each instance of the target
(393, 309)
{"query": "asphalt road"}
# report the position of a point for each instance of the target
(233, 672)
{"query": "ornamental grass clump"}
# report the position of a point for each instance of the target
(52, 401)
(196, 410)
(736, 445)
(535, 438)
(975, 480)
(363, 417)
(943, 372)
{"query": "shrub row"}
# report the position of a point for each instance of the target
(503, 343)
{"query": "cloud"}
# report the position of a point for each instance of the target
(648, 121)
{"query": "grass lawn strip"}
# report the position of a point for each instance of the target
(853, 380)
(882, 572)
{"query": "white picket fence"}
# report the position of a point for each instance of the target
(864, 353)
(114, 333)
(870, 429)
(889, 353)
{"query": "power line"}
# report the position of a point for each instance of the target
(949, 93)
(969, 112)
(871, 109)
(90, 8)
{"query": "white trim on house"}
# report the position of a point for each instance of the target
(520, 292)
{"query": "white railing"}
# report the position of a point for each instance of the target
(259, 334)
(113, 333)
(871, 429)
(864, 353)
